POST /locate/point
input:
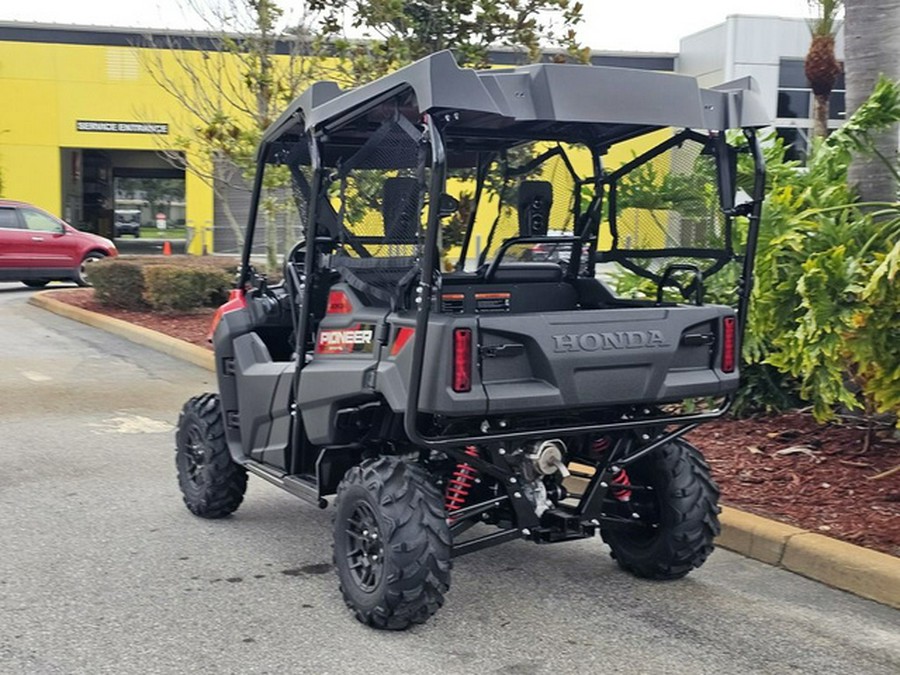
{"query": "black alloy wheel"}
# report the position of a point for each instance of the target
(365, 556)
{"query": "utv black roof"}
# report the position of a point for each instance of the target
(591, 104)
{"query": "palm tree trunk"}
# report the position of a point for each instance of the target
(820, 116)
(872, 47)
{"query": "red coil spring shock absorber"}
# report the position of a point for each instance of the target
(461, 483)
(621, 478)
(599, 446)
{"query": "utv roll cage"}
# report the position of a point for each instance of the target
(445, 117)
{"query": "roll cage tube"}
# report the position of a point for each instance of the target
(588, 229)
(425, 289)
(484, 163)
(311, 263)
(759, 193)
(251, 217)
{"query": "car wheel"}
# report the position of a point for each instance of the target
(36, 283)
(81, 276)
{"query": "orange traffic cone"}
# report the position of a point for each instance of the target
(167, 248)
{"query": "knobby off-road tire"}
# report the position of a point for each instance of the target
(211, 483)
(391, 544)
(686, 501)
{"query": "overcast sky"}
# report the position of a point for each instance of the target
(629, 25)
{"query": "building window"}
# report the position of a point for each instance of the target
(793, 103)
(795, 107)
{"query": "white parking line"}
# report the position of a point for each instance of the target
(126, 423)
(36, 377)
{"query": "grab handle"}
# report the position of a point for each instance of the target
(695, 287)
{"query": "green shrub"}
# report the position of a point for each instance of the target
(118, 283)
(824, 319)
(827, 299)
(226, 264)
(181, 288)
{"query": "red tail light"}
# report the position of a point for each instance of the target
(339, 303)
(729, 340)
(462, 360)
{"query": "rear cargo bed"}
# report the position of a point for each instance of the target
(601, 357)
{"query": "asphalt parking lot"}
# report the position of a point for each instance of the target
(102, 569)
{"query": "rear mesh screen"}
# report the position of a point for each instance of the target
(666, 211)
(529, 192)
(377, 196)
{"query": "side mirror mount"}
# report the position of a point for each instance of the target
(448, 205)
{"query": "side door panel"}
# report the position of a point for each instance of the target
(14, 243)
(52, 245)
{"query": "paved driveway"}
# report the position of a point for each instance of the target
(102, 570)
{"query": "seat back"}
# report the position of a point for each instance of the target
(400, 208)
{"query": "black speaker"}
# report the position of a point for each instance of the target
(535, 200)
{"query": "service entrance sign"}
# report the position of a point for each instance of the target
(123, 127)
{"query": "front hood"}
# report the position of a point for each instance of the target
(102, 242)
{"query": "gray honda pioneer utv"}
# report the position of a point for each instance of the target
(450, 352)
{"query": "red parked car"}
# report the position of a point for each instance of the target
(37, 248)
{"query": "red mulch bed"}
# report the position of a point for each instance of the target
(787, 467)
(815, 476)
(192, 327)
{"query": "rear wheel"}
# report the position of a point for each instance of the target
(683, 503)
(391, 544)
(81, 275)
(211, 483)
(36, 283)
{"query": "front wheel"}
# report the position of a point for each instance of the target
(36, 283)
(391, 544)
(81, 274)
(211, 483)
(682, 502)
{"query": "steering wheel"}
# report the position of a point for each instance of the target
(295, 262)
(297, 254)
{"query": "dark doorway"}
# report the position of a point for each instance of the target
(124, 195)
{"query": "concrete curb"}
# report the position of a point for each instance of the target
(869, 574)
(866, 573)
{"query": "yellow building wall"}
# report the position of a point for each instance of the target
(48, 87)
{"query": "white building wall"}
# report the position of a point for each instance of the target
(748, 45)
(703, 55)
